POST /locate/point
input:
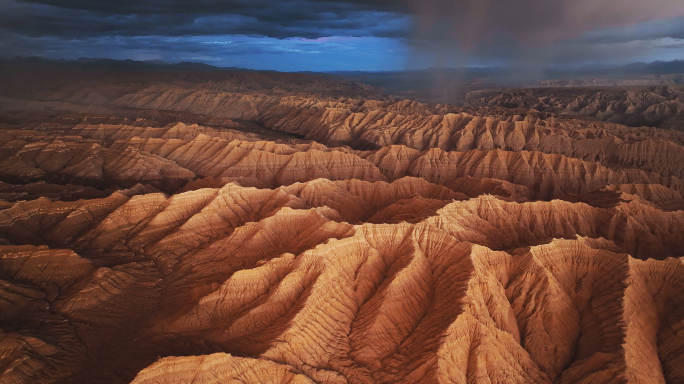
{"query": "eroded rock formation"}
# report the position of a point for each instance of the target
(388, 242)
(659, 106)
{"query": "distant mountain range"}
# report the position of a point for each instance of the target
(633, 69)
(525, 75)
(434, 85)
(111, 64)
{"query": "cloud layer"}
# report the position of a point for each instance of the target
(532, 22)
(267, 18)
(376, 34)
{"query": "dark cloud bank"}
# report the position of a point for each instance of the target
(348, 34)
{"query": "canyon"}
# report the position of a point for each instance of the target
(170, 227)
(657, 106)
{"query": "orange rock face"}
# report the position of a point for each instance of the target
(411, 244)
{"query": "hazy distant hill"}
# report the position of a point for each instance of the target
(435, 85)
(111, 64)
(450, 85)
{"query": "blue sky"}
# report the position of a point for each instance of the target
(312, 35)
(255, 52)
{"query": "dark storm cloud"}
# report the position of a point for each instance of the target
(531, 22)
(537, 33)
(465, 23)
(127, 7)
(279, 19)
(428, 32)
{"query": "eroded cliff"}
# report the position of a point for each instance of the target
(332, 240)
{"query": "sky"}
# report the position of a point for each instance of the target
(348, 35)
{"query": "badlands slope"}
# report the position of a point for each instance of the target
(657, 106)
(169, 232)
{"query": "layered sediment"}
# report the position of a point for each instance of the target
(388, 242)
(659, 106)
